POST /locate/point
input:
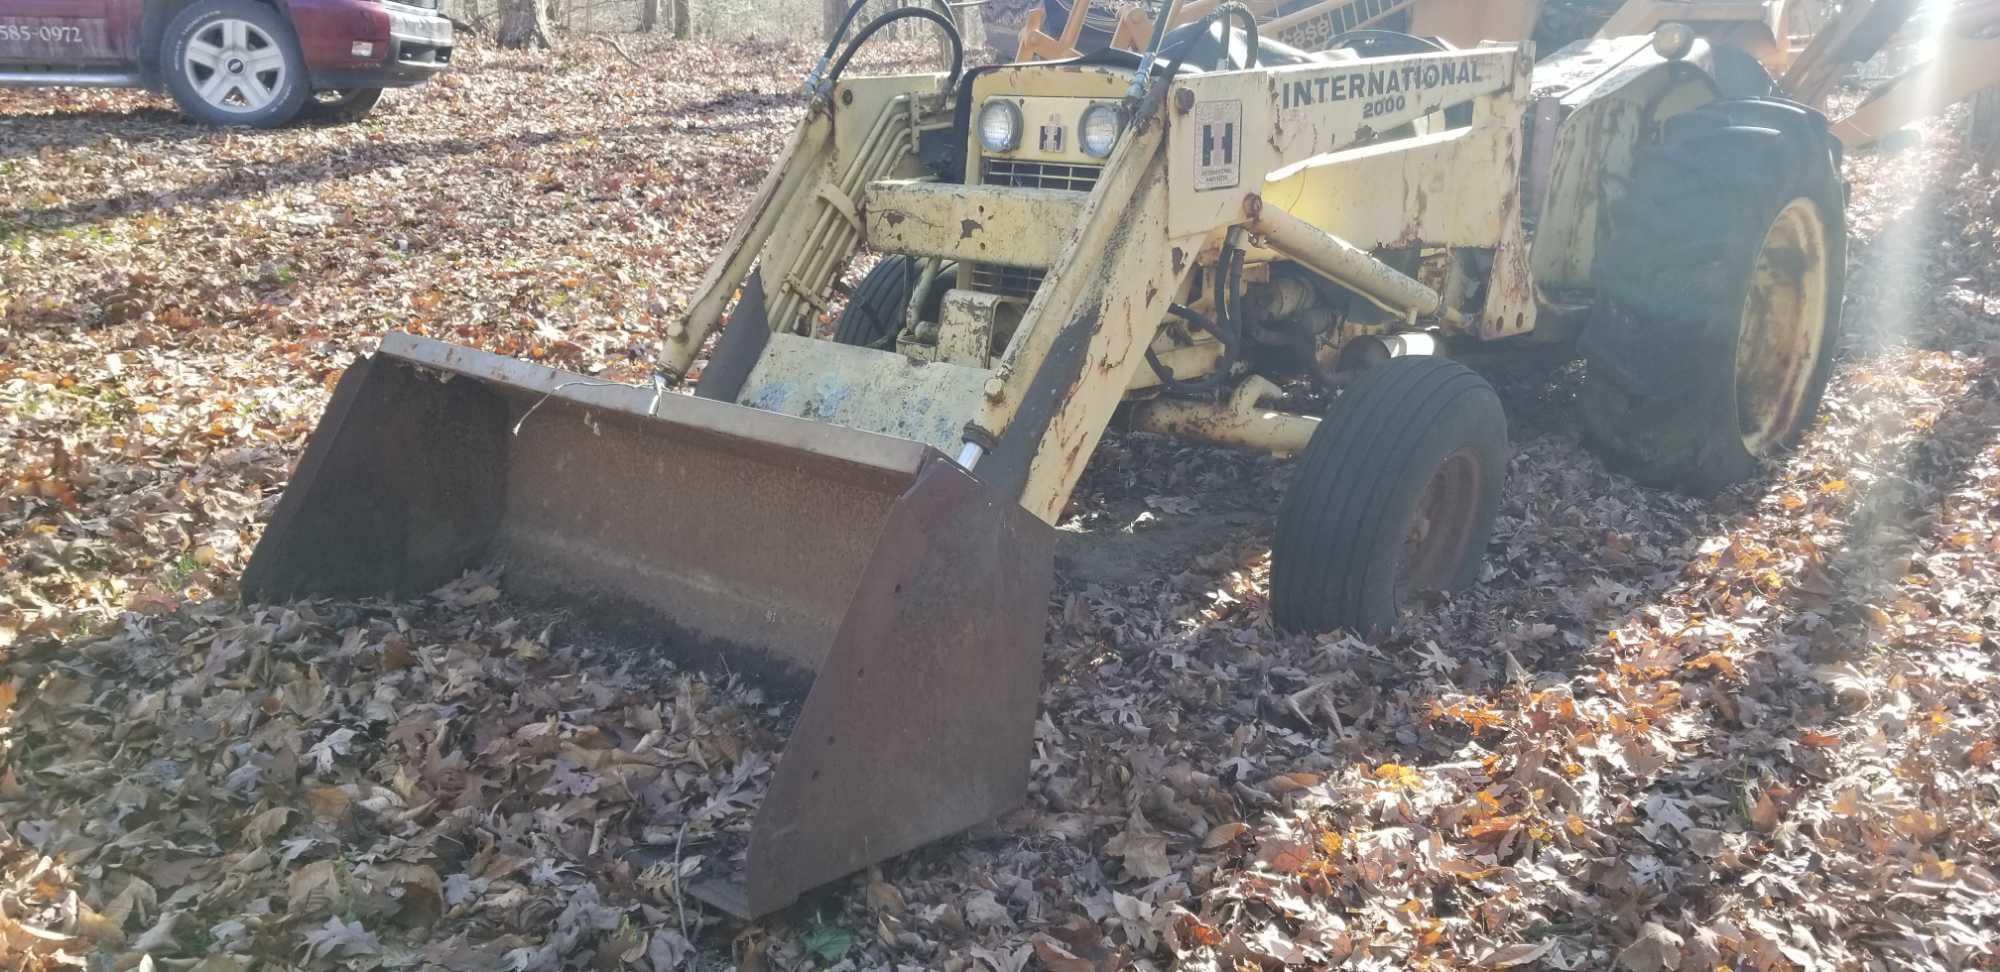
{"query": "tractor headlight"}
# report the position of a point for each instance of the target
(1098, 131)
(1000, 126)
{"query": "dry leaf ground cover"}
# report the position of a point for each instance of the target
(1752, 733)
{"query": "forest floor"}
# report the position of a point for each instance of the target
(1756, 732)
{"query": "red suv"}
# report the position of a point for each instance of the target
(229, 62)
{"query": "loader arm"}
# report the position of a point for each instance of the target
(1087, 331)
(1965, 60)
(801, 227)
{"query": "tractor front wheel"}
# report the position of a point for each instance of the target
(1719, 292)
(874, 314)
(1396, 493)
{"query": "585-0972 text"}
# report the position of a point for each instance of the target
(44, 33)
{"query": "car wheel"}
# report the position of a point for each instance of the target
(234, 62)
(343, 105)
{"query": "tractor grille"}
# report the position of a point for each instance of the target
(1038, 175)
(1006, 281)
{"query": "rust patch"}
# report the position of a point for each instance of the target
(1180, 261)
(893, 217)
(1152, 293)
(967, 227)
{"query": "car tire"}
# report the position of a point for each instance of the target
(1718, 297)
(234, 62)
(344, 105)
(1396, 492)
(874, 314)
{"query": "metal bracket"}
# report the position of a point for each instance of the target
(965, 327)
(841, 204)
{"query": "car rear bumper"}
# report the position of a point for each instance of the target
(405, 44)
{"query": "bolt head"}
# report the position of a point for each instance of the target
(995, 388)
(677, 330)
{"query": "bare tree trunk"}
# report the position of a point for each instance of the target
(649, 16)
(971, 28)
(683, 20)
(833, 11)
(524, 23)
(1982, 126)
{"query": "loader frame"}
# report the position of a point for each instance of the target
(1124, 252)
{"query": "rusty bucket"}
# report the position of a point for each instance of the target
(902, 594)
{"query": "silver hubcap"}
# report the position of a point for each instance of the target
(235, 66)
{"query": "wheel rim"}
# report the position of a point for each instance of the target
(1441, 527)
(235, 66)
(1784, 322)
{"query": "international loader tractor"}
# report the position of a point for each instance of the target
(1191, 235)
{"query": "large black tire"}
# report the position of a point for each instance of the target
(1718, 297)
(1739, 75)
(875, 312)
(345, 105)
(1396, 493)
(234, 62)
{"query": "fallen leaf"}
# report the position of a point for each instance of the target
(1223, 834)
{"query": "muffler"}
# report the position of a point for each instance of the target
(900, 596)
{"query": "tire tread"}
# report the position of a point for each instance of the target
(1332, 556)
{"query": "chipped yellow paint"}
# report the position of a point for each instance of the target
(983, 224)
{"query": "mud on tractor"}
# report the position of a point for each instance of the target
(1185, 235)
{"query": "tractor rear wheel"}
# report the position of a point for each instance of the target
(1718, 297)
(1396, 493)
(1739, 75)
(874, 314)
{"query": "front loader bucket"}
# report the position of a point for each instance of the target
(900, 591)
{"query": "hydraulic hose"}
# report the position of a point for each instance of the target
(1229, 327)
(1236, 10)
(943, 22)
(1231, 9)
(840, 33)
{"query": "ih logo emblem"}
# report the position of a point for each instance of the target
(1218, 144)
(1214, 143)
(1052, 138)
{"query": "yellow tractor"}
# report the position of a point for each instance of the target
(1772, 34)
(1194, 235)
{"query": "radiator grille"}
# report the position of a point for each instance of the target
(1018, 174)
(1006, 281)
